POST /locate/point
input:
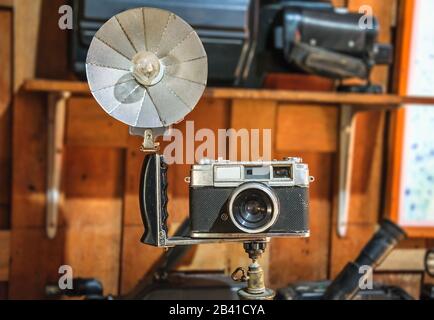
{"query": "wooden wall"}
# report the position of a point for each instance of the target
(100, 224)
(5, 144)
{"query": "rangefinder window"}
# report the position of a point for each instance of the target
(256, 172)
(282, 172)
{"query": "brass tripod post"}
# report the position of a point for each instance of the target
(254, 276)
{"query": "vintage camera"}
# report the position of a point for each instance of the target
(242, 199)
(229, 201)
(151, 82)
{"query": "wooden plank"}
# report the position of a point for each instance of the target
(429, 101)
(94, 172)
(29, 154)
(5, 216)
(301, 128)
(93, 239)
(5, 158)
(93, 213)
(40, 46)
(6, 3)
(4, 255)
(35, 262)
(308, 97)
(26, 30)
(5, 116)
(137, 258)
(404, 260)
(49, 85)
(307, 259)
(89, 125)
(367, 170)
(52, 43)
(94, 221)
(206, 257)
(250, 115)
(6, 58)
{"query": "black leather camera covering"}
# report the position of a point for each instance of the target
(334, 31)
(207, 204)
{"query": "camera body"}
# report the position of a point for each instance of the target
(249, 199)
(229, 201)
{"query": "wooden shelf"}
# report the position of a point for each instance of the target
(6, 4)
(44, 85)
(304, 97)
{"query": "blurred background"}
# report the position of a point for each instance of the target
(95, 164)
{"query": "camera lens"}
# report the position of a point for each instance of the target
(253, 207)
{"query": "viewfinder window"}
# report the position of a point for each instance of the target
(282, 172)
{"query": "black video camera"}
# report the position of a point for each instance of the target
(314, 37)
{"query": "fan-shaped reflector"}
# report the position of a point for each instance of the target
(147, 68)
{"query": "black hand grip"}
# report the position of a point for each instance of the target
(164, 199)
(153, 199)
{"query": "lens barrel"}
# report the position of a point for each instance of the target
(253, 207)
(346, 284)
